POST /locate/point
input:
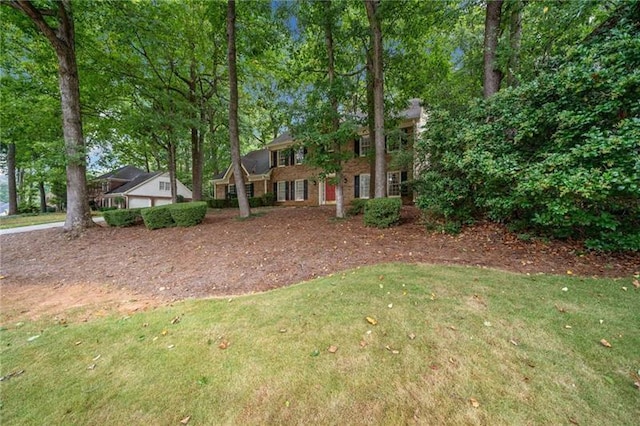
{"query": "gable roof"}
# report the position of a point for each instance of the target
(141, 178)
(254, 163)
(123, 173)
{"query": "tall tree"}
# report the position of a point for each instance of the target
(11, 178)
(62, 38)
(492, 73)
(234, 138)
(378, 97)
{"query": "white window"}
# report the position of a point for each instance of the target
(397, 140)
(300, 156)
(365, 145)
(165, 186)
(393, 184)
(282, 190)
(231, 191)
(299, 190)
(283, 158)
(365, 180)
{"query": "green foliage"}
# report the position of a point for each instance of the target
(158, 217)
(123, 217)
(357, 206)
(382, 212)
(559, 155)
(218, 204)
(188, 214)
(269, 199)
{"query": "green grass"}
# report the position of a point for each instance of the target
(17, 221)
(444, 338)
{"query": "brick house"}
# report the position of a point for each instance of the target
(280, 168)
(130, 187)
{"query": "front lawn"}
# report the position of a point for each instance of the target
(391, 344)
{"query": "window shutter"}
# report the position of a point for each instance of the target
(226, 192)
(292, 158)
(250, 191)
(274, 158)
(292, 190)
(275, 188)
(356, 147)
(286, 190)
(404, 189)
(356, 186)
(306, 189)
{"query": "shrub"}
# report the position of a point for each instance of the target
(106, 209)
(269, 199)
(158, 217)
(188, 214)
(382, 212)
(255, 202)
(218, 204)
(356, 207)
(556, 156)
(123, 217)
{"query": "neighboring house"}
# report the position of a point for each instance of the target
(130, 187)
(280, 168)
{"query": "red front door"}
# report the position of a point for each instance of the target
(329, 193)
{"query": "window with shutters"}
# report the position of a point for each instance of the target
(231, 191)
(283, 158)
(282, 190)
(299, 195)
(365, 180)
(394, 184)
(300, 156)
(397, 140)
(365, 145)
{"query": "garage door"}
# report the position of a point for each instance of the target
(135, 203)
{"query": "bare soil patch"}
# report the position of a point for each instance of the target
(128, 269)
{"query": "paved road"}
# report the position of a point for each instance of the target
(39, 227)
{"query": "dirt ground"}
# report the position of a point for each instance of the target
(46, 274)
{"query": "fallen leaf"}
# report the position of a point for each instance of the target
(393, 351)
(569, 272)
(79, 342)
(32, 338)
(224, 344)
(636, 283)
(97, 357)
(453, 328)
(175, 321)
(363, 343)
(185, 420)
(433, 296)
(372, 320)
(487, 324)
(165, 332)
(171, 346)
(412, 336)
(562, 310)
(91, 367)
(573, 421)
(624, 288)
(283, 330)
(567, 326)
(513, 342)
(333, 349)
(474, 402)
(565, 289)
(390, 305)
(604, 343)
(381, 277)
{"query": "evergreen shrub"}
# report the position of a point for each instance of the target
(122, 217)
(188, 214)
(382, 212)
(158, 217)
(356, 207)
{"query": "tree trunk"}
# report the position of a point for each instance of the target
(378, 99)
(63, 41)
(43, 197)
(370, 121)
(11, 175)
(492, 74)
(515, 39)
(333, 100)
(234, 137)
(197, 155)
(172, 170)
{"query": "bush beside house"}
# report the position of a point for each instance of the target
(382, 212)
(188, 214)
(123, 217)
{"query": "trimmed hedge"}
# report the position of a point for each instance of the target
(268, 199)
(357, 207)
(382, 212)
(188, 214)
(158, 217)
(122, 217)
